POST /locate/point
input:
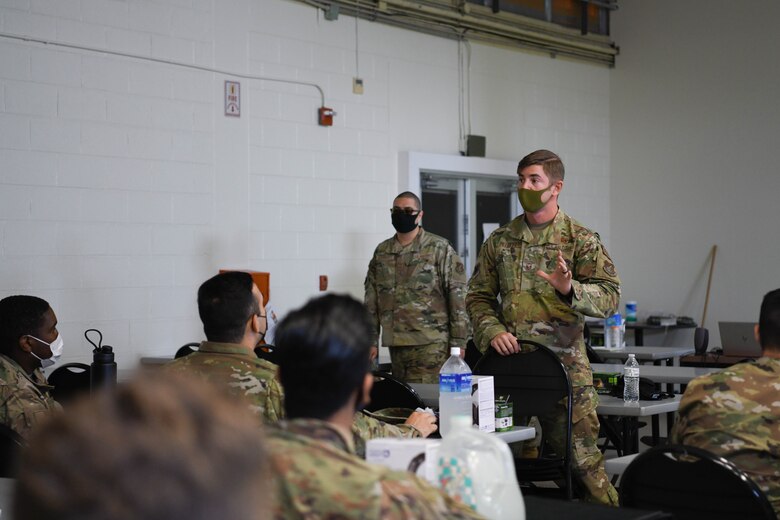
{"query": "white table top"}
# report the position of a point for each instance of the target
(609, 405)
(659, 374)
(644, 353)
(518, 433)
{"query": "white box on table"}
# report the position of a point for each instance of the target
(483, 403)
(419, 456)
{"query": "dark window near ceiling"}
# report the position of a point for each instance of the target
(567, 13)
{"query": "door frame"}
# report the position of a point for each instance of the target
(412, 164)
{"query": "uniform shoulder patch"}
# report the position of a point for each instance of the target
(459, 268)
(609, 268)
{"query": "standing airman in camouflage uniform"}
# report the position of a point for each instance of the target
(415, 290)
(536, 278)
(230, 305)
(28, 338)
(324, 367)
(735, 413)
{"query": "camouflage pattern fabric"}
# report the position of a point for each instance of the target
(318, 476)
(419, 364)
(735, 413)
(587, 459)
(529, 307)
(246, 376)
(24, 399)
(506, 295)
(365, 427)
(415, 293)
(254, 380)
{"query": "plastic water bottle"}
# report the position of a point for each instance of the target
(631, 380)
(613, 331)
(477, 469)
(454, 390)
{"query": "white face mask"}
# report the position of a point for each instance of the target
(55, 346)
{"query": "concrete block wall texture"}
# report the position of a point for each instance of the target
(123, 186)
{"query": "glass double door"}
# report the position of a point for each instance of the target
(465, 210)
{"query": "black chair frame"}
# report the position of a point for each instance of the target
(69, 383)
(186, 350)
(390, 392)
(692, 484)
(536, 382)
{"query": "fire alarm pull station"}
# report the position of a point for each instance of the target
(326, 116)
(323, 282)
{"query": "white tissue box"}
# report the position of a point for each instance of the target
(416, 455)
(483, 403)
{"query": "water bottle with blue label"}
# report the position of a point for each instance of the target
(614, 326)
(454, 390)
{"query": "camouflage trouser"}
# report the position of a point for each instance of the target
(587, 459)
(419, 363)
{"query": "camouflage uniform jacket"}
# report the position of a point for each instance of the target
(735, 413)
(247, 376)
(319, 476)
(416, 292)
(254, 380)
(529, 307)
(24, 398)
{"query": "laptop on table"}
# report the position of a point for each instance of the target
(737, 338)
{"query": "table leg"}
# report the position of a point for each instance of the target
(639, 337)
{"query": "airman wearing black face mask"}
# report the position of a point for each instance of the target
(415, 291)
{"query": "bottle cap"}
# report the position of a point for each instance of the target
(454, 351)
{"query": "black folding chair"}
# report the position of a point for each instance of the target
(692, 484)
(11, 444)
(69, 380)
(473, 355)
(391, 392)
(538, 385)
(186, 350)
(267, 352)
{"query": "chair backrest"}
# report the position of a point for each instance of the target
(473, 355)
(69, 380)
(536, 381)
(391, 392)
(692, 483)
(186, 350)
(11, 444)
(267, 352)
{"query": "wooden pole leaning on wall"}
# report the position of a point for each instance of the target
(713, 252)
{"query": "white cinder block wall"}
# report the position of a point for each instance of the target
(123, 186)
(694, 127)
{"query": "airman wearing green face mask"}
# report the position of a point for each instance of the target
(536, 279)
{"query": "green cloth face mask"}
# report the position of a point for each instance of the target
(531, 200)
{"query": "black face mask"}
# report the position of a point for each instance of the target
(402, 222)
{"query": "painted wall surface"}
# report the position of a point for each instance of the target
(123, 186)
(694, 125)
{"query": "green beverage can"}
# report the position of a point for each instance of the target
(504, 421)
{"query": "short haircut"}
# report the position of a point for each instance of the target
(410, 195)
(225, 303)
(551, 164)
(19, 315)
(324, 355)
(162, 448)
(769, 321)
